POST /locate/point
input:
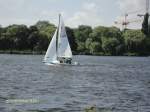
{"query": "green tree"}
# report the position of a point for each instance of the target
(40, 35)
(33, 37)
(71, 38)
(147, 46)
(46, 28)
(95, 47)
(110, 39)
(134, 41)
(82, 33)
(102, 31)
(111, 46)
(1, 30)
(42, 43)
(6, 42)
(88, 43)
(92, 46)
(18, 35)
(145, 25)
(83, 39)
(81, 47)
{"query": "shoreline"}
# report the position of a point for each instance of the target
(23, 52)
(74, 53)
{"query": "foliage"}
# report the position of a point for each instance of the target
(71, 38)
(109, 38)
(135, 41)
(111, 46)
(46, 28)
(83, 40)
(92, 46)
(81, 47)
(145, 25)
(82, 33)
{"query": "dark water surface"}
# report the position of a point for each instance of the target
(117, 84)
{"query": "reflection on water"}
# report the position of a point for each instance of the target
(113, 84)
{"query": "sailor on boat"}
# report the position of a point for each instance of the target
(65, 60)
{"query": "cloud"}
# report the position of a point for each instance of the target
(24, 12)
(9, 6)
(87, 12)
(88, 15)
(10, 13)
(131, 5)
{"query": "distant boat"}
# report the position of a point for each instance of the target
(59, 51)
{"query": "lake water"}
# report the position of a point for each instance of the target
(113, 84)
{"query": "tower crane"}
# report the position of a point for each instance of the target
(125, 22)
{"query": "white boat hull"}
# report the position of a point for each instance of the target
(64, 64)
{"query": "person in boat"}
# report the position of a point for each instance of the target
(65, 60)
(69, 60)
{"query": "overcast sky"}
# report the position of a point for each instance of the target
(75, 12)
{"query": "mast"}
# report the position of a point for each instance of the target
(57, 37)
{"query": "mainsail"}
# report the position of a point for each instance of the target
(64, 49)
(51, 54)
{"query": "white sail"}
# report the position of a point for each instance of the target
(64, 49)
(51, 54)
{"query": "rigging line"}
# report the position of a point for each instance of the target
(134, 12)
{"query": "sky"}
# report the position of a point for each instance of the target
(74, 12)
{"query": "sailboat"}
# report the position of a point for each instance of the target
(59, 51)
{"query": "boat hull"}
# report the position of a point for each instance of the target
(62, 64)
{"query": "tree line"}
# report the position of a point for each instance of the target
(100, 40)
